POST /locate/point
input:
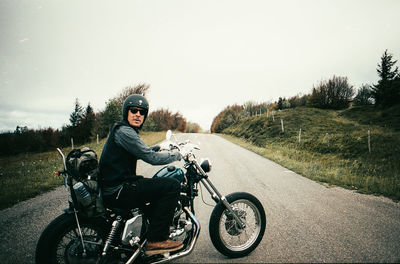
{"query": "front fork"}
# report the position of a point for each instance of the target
(217, 196)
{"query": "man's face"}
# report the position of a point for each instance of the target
(136, 116)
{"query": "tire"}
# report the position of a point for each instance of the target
(60, 241)
(227, 237)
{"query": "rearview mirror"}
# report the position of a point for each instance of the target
(168, 135)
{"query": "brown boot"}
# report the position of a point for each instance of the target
(154, 248)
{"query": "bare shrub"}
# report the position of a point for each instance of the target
(335, 93)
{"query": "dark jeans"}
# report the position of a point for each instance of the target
(161, 193)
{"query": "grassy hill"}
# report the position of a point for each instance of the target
(332, 146)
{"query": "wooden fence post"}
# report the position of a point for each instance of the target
(327, 139)
(97, 139)
(283, 129)
(72, 143)
(369, 141)
(300, 135)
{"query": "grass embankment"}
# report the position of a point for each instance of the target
(27, 175)
(333, 146)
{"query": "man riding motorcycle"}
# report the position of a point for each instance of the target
(123, 188)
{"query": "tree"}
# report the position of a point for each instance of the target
(77, 115)
(251, 108)
(283, 103)
(364, 95)
(280, 103)
(387, 91)
(179, 122)
(163, 119)
(335, 93)
(193, 128)
(88, 122)
(82, 123)
(298, 100)
(111, 114)
(227, 117)
(385, 70)
(137, 89)
(160, 119)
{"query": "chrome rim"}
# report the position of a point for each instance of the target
(232, 235)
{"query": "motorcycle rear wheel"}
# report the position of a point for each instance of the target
(227, 236)
(60, 241)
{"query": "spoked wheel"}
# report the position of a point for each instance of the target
(70, 249)
(60, 242)
(227, 236)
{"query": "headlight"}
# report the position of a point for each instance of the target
(205, 164)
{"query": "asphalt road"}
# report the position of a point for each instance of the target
(306, 221)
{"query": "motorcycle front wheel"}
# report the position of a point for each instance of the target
(227, 236)
(60, 242)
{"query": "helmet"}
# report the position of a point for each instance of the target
(136, 100)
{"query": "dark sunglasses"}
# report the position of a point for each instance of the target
(135, 110)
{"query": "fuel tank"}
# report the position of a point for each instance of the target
(170, 172)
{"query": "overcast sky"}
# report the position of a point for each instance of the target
(197, 56)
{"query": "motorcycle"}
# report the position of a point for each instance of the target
(236, 226)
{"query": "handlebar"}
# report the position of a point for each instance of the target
(185, 148)
(64, 170)
(62, 157)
